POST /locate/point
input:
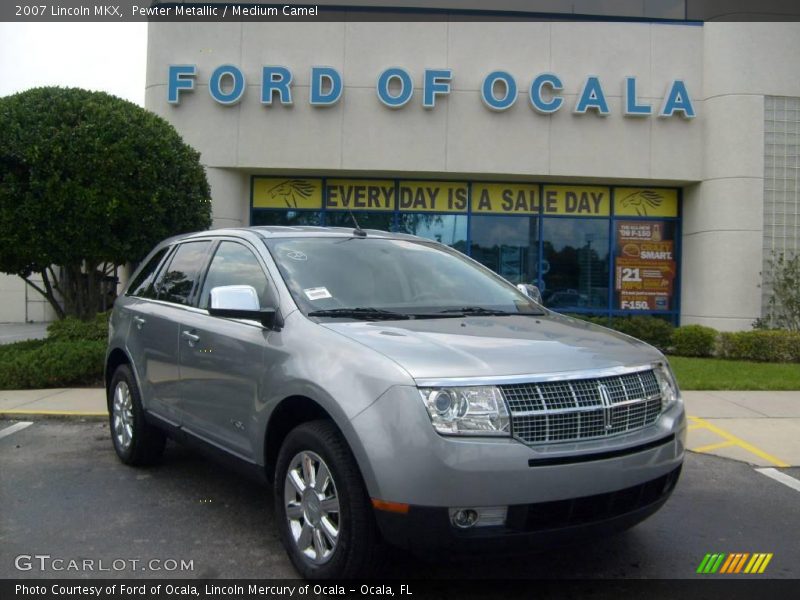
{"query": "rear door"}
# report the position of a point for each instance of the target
(222, 360)
(153, 343)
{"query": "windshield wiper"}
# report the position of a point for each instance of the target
(359, 313)
(487, 312)
(478, 310)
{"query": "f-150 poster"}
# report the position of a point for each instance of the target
(645, 266)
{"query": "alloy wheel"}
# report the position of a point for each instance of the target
(122, 411)
(312, 507)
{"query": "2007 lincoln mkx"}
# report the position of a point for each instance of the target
(393, 390)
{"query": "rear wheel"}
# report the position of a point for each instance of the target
(323, 511)
(136, 441)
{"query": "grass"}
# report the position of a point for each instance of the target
(718, 374)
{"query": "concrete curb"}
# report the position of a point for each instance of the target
(68, 403)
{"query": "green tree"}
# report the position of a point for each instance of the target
(89, 181)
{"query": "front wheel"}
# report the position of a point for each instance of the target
(322, 507)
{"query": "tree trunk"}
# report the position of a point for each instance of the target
(80, 291)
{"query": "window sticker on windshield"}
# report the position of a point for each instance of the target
(296, 255)
(317, 293)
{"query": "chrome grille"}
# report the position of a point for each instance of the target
(570, 410)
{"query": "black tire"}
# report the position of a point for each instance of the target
(359, 550)
(146, 444)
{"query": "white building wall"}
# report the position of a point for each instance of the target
(19, 303)
(460, 136)
(723, 215)
(12, 299)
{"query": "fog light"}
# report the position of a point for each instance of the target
(487, 516)
(464, 517)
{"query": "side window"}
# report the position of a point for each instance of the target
(142, 286)
(235, 264)
(176, 284)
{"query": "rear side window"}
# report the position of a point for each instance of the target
(235, 264)
(177, 283)
(142, 286)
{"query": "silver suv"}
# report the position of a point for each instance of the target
(393, 390)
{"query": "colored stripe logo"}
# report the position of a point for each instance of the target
(737, 562)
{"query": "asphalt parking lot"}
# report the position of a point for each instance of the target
(63, 493)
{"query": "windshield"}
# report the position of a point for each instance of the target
(330, 275)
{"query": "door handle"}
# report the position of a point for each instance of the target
(190, 337)
(139, 322)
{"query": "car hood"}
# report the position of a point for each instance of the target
(497, 346)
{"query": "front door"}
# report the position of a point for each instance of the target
(222, 361)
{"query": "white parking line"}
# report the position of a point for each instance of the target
(14, 428)
(781, 477)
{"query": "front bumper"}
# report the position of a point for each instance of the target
(404, 460)
(529, 526)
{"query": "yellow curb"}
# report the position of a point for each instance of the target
(51, 413)
(711, 447)
(740, 442)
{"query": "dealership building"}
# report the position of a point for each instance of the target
(644, 163)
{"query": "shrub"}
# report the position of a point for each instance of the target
(694, 340)
(597, 320)
(72, 355)
(73, 329)
(759, 345)
(20, 346)
(656, 332)
(52, 363)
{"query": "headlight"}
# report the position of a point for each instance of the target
(666, 381)
(467, 410)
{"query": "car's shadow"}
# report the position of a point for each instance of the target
(249, 505)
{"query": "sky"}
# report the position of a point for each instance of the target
(108, 57)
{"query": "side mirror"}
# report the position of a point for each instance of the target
(241, 302)
(531, 291)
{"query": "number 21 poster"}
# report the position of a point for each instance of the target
(645, 266)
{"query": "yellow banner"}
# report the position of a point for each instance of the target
(505, 198)
(645, 202)
(287, 192)
(433, 196)
(580, 201)
(360, 194)
(453, 196)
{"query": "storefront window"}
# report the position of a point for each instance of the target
(446, 229)
(382, 221)
(593, 249)
(575, 265)
(507, 245)
(286, 217)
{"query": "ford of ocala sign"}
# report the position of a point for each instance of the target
(395, 88)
